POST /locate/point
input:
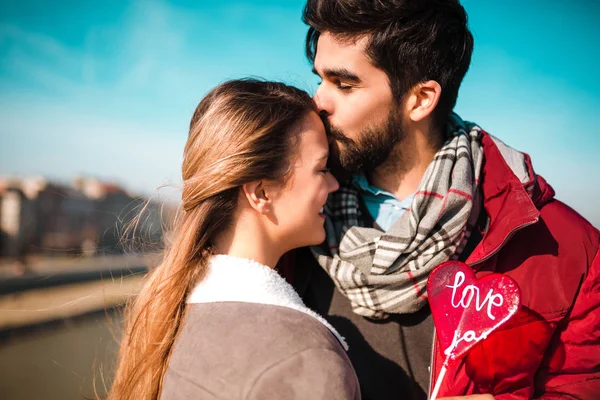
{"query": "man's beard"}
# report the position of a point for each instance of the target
(372, 147)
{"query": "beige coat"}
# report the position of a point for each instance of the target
(247, 335)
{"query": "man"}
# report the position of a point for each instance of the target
(426, 187)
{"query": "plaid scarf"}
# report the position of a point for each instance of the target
(386, 272)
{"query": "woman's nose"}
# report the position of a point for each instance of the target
(333, 183)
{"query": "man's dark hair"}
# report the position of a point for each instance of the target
(412, 41)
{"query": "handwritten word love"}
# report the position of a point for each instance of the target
(471, 292)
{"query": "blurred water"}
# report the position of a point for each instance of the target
(59, 362)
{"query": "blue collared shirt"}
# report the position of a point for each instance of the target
(383, 206)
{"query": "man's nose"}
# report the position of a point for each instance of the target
(322, 101)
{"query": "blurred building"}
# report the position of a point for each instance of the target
(87, 217)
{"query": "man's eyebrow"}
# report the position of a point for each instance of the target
(341, 73)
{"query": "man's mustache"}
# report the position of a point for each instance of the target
(334, 133)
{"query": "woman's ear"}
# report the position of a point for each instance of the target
(257, 196)
(423, 99)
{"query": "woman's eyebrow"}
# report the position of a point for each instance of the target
(325, 157)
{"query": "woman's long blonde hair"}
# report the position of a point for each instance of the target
(242, 131)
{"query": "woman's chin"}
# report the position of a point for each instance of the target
(313, 238)
(318, 237)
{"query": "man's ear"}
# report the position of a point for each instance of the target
(423, 99)
(257, 196)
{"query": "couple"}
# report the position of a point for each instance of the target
(418, 186)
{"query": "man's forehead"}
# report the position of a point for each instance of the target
(358, 40)
(335, 51)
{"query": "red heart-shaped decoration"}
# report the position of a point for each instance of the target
(466, 309)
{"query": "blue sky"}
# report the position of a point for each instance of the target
(107, 88)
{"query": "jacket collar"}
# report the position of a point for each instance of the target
(237, 279)
(511, 202)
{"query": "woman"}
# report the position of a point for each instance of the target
(215, 320)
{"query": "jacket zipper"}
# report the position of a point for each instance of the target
(433, 347)
(506, 239)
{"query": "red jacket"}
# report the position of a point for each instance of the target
(551, 348)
